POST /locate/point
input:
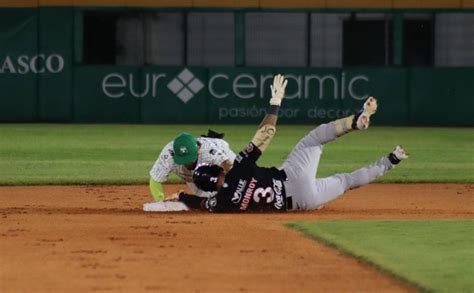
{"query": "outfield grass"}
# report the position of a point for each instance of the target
(123, 154)
(435, 255)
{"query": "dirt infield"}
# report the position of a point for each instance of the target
(97, 239)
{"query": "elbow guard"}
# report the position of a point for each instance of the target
(264, 136)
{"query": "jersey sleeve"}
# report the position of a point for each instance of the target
(215, 151)
(249, 155)
(226, 153)
(163, 165)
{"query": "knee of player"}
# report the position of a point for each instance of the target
(345, 181)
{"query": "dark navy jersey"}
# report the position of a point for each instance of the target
(248, 187)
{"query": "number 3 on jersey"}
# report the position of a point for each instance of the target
(261, 193)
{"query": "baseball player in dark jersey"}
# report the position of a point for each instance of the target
(248, 187)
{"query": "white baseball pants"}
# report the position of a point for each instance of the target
(308, 192)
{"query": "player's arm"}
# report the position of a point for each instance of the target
(160, 171)
(199, 203)
(196, 190)
(192, 201)
(221, 154)
(266, 129)
(156, 190)
(226, 165)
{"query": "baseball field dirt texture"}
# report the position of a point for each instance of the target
(98, 239)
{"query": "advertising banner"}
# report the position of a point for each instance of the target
(230, 95)
(174, 95)
(106, 94)
(241, 95)
(55, 82)
(19, 63)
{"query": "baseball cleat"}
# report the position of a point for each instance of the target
(362, 118)
(397, 155)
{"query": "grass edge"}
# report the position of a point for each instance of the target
(347, 252)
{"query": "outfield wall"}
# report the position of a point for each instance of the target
(41, 80)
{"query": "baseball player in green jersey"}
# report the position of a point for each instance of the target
(181, 156)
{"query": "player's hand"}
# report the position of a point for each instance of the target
(278, 89)
(174, 196)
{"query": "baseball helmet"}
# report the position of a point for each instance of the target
(205, 177)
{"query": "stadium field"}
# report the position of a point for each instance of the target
(72, 220)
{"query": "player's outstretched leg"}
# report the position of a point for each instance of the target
(369, 173)
(305, 156)
(397, 155)
(328, 189)
(358, 121)
(325, 133)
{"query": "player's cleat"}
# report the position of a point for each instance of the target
(362, 118)
(397, 155)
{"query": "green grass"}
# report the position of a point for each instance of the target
(123, 154)
(435, 255)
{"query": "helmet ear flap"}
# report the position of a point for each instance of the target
(206, 176)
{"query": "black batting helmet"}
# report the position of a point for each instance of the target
(205, 177)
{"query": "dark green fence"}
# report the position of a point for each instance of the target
(41, 81)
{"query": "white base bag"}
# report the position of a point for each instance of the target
(165, 206)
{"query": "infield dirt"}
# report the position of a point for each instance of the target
(98, 239)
